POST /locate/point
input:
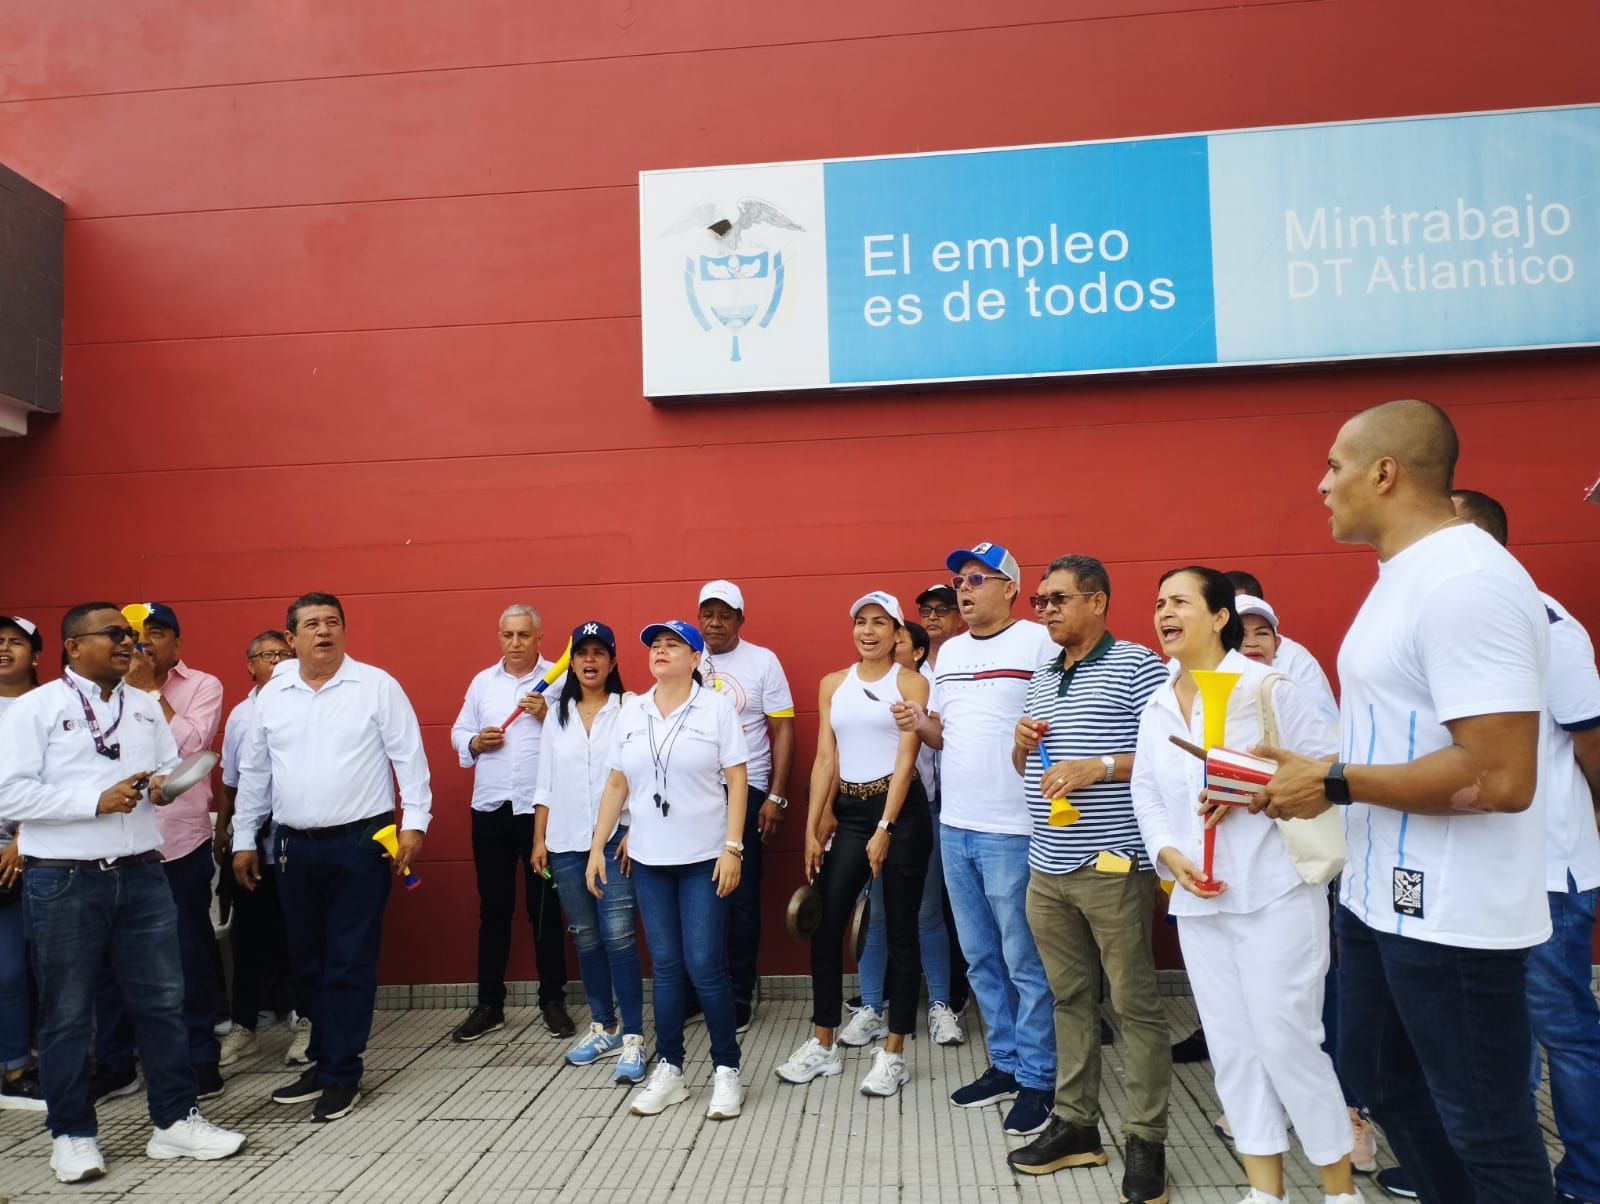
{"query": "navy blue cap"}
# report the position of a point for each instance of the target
(163, 615)
(990, 554)
(595, 631)
(687, 632)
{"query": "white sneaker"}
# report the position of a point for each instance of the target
(1364, 1156)
(865, 1027)
(1353, 1197)
(300, 1043)
(1257, 1196)
(239, 1042)
(813, 1060)
(727, 1094)
(663, 1089)
(75, 1159)
(194, 1137)
(888, 1074)
(944, 1026)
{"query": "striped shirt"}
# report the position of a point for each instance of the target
(1093, 709)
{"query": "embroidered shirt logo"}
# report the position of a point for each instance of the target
(1408, 892)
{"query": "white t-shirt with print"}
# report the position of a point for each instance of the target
(1453, 628)
(750, 677)
(681, 757)
(1573, 692)
(982, 690)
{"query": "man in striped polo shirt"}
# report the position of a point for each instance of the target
(1091, 891)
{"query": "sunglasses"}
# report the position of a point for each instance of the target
(116, 635)
(1058, 599)
(976, 580)
(928, 612)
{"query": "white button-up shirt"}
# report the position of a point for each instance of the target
(321, 758)
(512, 770)
(51, 777)
(573, 767)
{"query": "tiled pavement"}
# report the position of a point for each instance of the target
(504, 1119)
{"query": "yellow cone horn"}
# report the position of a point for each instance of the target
(1214, 689)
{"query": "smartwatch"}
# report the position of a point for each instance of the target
(778, 801)
(1334, 788)
(887, 825)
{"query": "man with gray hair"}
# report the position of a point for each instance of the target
(505, 765)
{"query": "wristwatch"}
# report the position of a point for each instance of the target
(735, 846)
(778, 799)
(887, 825)
(1111, 768)
(1334, 788)
(154, 692)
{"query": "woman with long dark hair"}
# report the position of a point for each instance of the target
(573, 766)
(1254, 934)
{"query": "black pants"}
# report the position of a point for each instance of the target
(260, 942)
(845, 871)
(501, 842)
(744, 906)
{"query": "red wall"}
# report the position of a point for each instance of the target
(352, 304)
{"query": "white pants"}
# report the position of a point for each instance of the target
(1258, 981)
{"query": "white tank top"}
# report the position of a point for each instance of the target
(864, 729)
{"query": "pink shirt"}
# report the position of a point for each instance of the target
(196, 702)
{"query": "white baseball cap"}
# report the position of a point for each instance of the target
(722, 591)
(888, 601)
(1247, 604)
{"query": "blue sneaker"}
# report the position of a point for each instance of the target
(1030, 1113)
(990, 1087)
(631, 1065)
(598, 1044)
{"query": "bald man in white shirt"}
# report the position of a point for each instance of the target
(327, 732)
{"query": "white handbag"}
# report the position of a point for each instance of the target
(1316, 846)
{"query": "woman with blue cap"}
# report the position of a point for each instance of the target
(675, 747)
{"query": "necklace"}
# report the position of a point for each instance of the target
(1454, 518)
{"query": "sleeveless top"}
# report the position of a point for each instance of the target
(864, 729)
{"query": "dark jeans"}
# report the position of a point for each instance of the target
(261, 974)
(501, 842)
(333, 893)
(744, 906)
(845, 871)
(81, 920)
(189, 879)
(1442, 1063)
(686, 927)
(16, 997)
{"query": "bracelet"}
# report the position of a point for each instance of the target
(736, 847)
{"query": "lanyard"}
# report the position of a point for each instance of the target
(111, 751)
(661, 754)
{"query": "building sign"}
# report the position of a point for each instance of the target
(1417, 236)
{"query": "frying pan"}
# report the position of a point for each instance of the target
(190, 772)
(860, 921)
(804, 913)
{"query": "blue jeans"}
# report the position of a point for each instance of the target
(933, 939)
(1435, 1044)
(608, 956)
(1566, 1021)
(81, 920)
(333, 893)
(16, 1007)
(987, 874)
(686, 926)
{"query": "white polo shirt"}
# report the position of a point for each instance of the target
(510, 772)
(1571, 840)
(750, 677)
(51, 777)
(1453, 628)
(680, 756)
(574, 764)
(233, 734)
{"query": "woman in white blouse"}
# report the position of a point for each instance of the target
(1255, 937)
(865, 770)
(675, 746)
(573, 757)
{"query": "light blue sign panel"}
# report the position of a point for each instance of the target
(1415, 236)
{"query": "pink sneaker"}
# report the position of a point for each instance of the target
(1364, 1157)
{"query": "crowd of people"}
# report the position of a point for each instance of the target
(1387, 927)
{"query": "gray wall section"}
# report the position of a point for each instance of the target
(31, 225)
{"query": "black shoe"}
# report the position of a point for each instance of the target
(1395, 1181)
(336, 1100)
(1062, 1144)
(990, 1087)
(853, 1004)
(113, 1081)
(1144, 1174)
(1107, 1033)
(743, 1014)
(24, 1092)
(303, 1090)
(208, 1082)
(480, 1020)
(1192, 1048)
(556, 1019)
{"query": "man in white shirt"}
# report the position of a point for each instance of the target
(1292, 658)
(505, 772)
(1561, 1002)
(80, 756)
(981, 689)
(1443, 674)
(750, 677)
(328, 733)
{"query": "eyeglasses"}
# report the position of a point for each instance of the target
(117, 635)
(976, 580)
(1058, 599)
(928, 612)
(273, 656)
